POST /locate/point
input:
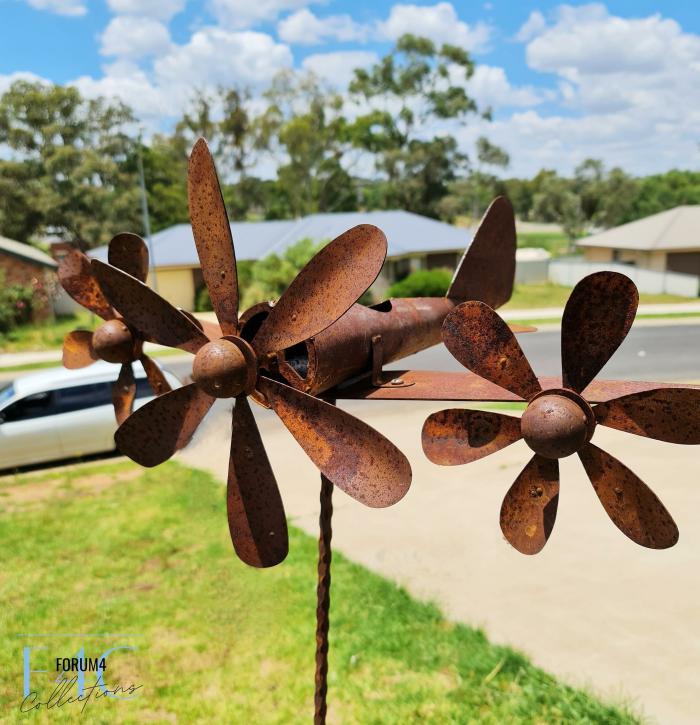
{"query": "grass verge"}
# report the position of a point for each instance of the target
(548, 294)
(46, 335)
(113, 548)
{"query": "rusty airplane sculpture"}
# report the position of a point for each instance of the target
(114, 341)
(295, 356)
(559, 419)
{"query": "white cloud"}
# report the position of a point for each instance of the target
(125, 81)
(533, 26)
(305, 28)
(438, 22)
(247, 13)
(213, 56)
(73, 8)
(489, 86)
(337, 68)
(133, 37)
(210, 58)
(7, 80)
(159, 9)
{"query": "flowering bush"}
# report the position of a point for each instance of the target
(16, 304)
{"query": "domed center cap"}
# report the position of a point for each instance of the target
(221, 369)
(113, 342)
(557, 424)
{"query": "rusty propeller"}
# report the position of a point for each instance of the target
(114, 341)
(560, 421)
(348, 452)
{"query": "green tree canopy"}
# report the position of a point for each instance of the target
(69, 171)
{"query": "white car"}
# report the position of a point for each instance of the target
(59, 413)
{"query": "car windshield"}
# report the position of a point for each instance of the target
(6, 392)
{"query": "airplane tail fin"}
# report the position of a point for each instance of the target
(486, 271)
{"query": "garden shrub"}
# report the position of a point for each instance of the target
(422, 283)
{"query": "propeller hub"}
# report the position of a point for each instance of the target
(557, 423)
(221, 369)
(113, 342)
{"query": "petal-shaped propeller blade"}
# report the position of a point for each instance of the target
(151, 434)
(155, 318)
(529, 508)
(129, 252)
(324, 289)
(631, 505)
(256, 517)
(77, 279)
(211, 329)
(597, 318)
(456, 435)
(487, 271)
(355, 457)
(77, 349)
(212, 235)
(484, 344)
(156, 379)
(665, 414)
(124, 393)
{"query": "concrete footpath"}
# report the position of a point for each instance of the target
(593, 608)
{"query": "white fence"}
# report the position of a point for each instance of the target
(570, 270)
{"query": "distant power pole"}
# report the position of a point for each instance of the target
(146, 219)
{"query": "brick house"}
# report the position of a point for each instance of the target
(22, 264)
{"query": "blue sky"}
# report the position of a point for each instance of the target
(617, 81)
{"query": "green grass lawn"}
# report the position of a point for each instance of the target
(548, 294)
(555, 243)
(113, 548)
(46, 335)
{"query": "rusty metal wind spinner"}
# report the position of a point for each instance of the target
(559, 420)
(114, 341)
(298, 356)
(317, 345)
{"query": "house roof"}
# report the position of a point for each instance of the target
(677, 228)
(406, 234)
(26, 251)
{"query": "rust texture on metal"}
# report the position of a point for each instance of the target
(114, 341)
(257, 523)
(557, 423)
(529, 508)
(348, 452)
(212, 236)
(479, 339)
(332, 282)
(359, 460)
(79, 282)
(631, 505)
(559, 420)
(152, 434)
(453, 386)
(491, 257)
(597, 318)
(671, 415)
(129, 252)
(77, 349)
(146, 311)
(344, 350)
(124, 393)
(323, 600)
(455, 436)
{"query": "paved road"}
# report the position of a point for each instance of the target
(665, 353)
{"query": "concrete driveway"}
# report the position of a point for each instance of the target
(593, 608)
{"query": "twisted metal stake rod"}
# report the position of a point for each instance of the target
(323, 600)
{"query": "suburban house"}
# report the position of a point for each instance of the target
(23, 264)
(665, 242)
(414, 242)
